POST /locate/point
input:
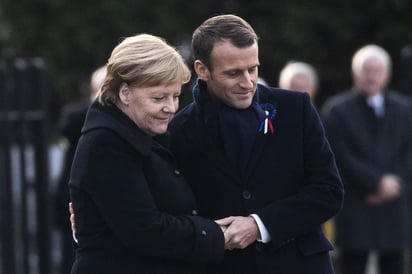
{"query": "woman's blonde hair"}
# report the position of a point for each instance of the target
(142, 60)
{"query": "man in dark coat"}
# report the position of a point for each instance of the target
(370, 130)
(258, 155)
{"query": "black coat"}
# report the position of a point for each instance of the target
(291, 182)
(134, 211)
(366, 148)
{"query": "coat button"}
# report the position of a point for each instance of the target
(176, 172)
(194, 212)
(246, 195)
(203, 232)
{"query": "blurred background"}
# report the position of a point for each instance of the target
(74, 37)
(49, 48)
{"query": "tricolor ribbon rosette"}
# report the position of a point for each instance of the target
(266, 125)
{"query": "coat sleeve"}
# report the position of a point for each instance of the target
(320, 195)
(120, 190)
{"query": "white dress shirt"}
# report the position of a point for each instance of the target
(264, 233)
(377, 103)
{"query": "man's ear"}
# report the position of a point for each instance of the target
(124, 93)
(201, 70)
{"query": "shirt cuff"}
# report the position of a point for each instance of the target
(264, 236)
(75, 238)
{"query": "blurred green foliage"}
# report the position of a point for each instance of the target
(74, 37)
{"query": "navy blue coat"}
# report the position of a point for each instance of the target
(366, 148)
(291, 182)
(135, 213)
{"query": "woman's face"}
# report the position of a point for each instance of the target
(151, 108)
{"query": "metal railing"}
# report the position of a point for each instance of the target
(24, 181)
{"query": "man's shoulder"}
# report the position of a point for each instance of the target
(182, 116)
(399, 98)
(339, 101)
(267, 94)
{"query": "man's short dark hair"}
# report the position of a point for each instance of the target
(220, 28)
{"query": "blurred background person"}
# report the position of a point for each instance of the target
(370, 131)
(299, 76)
(405, 86)
(69, 128)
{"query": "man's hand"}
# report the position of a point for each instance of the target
(389, 189)
(239, 231)
(72, 218)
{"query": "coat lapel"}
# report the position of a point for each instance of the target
(375, 131)
(205, 145)
(261, 139)
(256, 154)
(207, 148)
(385, 133)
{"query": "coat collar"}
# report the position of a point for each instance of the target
(201, 97)
(112, 118)
(195, 131)
(378, 130)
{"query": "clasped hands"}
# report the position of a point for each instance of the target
(239, 231)
(389, 189)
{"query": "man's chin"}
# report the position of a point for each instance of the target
(242, 104)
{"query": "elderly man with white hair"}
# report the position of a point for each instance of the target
(299, 76)
(370, 130)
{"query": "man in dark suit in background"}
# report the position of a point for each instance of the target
(370, 130)
(258, 155)
(69, 128)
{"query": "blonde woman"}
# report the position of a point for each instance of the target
(135, 213)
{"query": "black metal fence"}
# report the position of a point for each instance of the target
(25, 231)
